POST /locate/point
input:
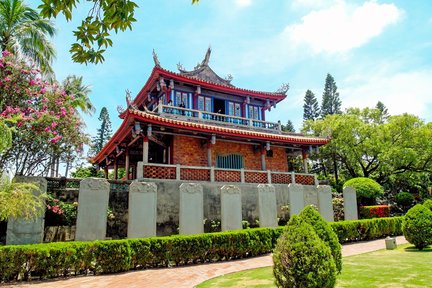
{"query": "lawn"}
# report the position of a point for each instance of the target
(404, 267)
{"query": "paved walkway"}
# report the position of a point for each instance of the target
(187, 276)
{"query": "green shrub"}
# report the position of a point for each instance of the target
(366, 189)
(428, 204)
(79, 258)
(301, 258)
(404, 199)
(417, 226)
(310, 215)
(112, 256)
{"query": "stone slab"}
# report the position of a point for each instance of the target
(92, 209)
(267, 205)
(350, 203)
(296, 198)
(142, 209)
(325, 204)
(191, 209)
(231, 208)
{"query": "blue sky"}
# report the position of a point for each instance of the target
(375, 50)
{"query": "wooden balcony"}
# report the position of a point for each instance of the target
(212, 174)
(216, 118)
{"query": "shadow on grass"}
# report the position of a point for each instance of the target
(413, 249)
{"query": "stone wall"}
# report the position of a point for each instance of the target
(193, 152)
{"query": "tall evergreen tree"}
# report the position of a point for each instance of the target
(331, 103)
(311, 109)
(383, 111)
(103, 133)
(289, 127)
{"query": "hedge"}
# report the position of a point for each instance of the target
(59, 259)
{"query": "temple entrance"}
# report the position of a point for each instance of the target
(158, 149)
(219, 106)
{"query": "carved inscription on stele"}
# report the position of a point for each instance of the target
(142, 187)
(94, 184)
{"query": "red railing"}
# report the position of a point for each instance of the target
(211, 174)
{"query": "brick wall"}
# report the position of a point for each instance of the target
(190, 152)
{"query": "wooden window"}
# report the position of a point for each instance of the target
(234, 109)
(232, 161)
(182, 97)
(254, 112)
(205, 103)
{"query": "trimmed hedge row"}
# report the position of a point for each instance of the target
(73, 258)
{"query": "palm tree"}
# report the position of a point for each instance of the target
(73, 85)
(25, 33)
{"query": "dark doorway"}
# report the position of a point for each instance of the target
(219, 106)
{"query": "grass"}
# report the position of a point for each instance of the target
(403, 267)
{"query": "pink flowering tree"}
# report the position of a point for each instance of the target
(46, 124)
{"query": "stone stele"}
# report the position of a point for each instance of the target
(142, 209)
(191, 208)
(231, 208)
(92, 209)
(267, 205)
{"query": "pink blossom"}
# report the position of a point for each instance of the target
(32, 82)
(6, 53)
(7, 79)
(43, 90)
(56, 139)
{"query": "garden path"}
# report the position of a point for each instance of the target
(186, 276)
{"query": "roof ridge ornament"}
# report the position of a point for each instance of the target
(181, 68)
(283, 89)
(155, 59)
(206, 60)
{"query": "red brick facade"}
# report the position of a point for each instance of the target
(190, 151)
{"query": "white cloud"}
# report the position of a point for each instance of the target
(403, 92)
(342, 27)
(243, 3)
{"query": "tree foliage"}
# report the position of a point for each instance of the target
(18, 201)
(330, 104)
(311, 110)
(396, 153)
(25, 33)
(289, 127)
(103, 133)
(45, 122)
(93, 35)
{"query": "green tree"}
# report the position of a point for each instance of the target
(391, 153)
(289, 127)
(5, 136)
(331, 103)
(24, 32)
(74, 86)
(384, 111)
(311, 109)
(103, 133)
(45, 123)
(93, 35)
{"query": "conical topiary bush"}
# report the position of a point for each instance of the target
(302, 259)
(310, 215)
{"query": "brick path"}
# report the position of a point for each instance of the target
(187, 276)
